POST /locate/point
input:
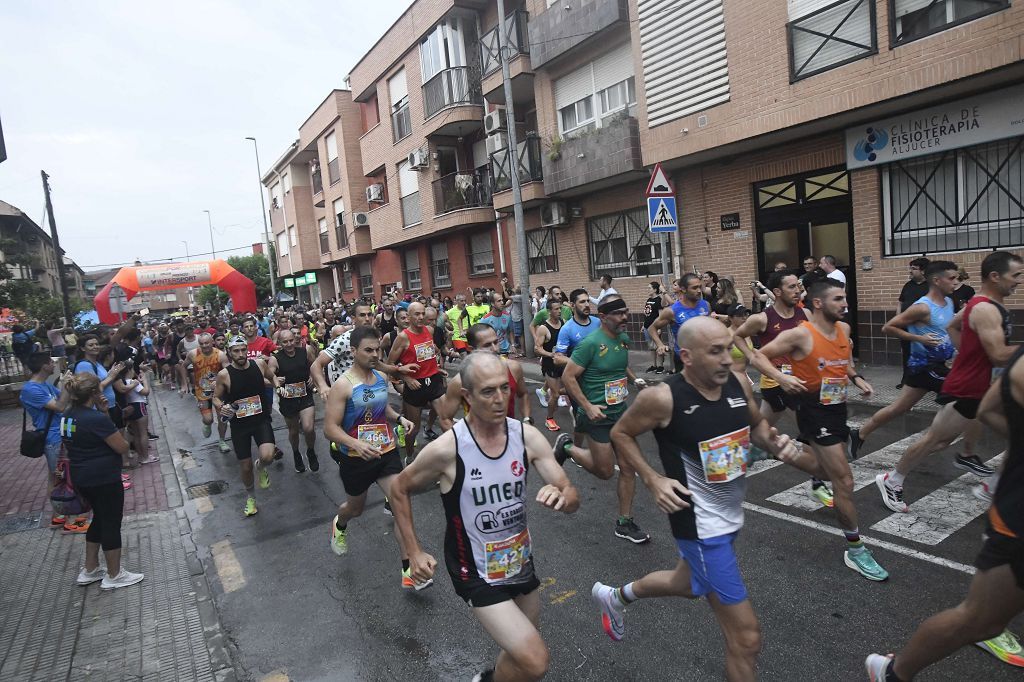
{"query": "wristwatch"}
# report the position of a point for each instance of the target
(528, 420)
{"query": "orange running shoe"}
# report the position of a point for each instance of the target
(552, 425)
(79, 525)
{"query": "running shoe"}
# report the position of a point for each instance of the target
(95, 575)
(552, 425)
(877, 665)
(224, 447)
(986, 489)
(207, 430)
(58, 520)
(821, 492)
(563, 401)
(628, 530)
(79, 525)
(659, 370)
(1005, 647)
(122, 579)
(542, 397)
(409, 584)
(892, 495)
(339, 538)
(153, 436)
(973, 464)
(264, 478)
(855, 443)
(278, 454)
(864, 563)
(650, 369)
(314, 463)
(484, 676)
(387, 507)
(430, 434)
(561, 454)
(299, 466)
(612, 610)
(250, 506)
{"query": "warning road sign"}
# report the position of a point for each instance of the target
(661, 214)
(659, 186)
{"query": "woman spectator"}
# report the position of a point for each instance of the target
(963, 291)
(136, 413)
(709, 286)
(727, 297)
(91, 363)
(94, 449)
(55, 336)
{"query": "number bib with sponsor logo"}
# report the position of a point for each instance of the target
(377, 435)
(833, 390)
(615, 392)
(207, 384)
(786, 369)
(296, 390)
(249, 407)
(506, 558)
(424, 351)
(725, 457)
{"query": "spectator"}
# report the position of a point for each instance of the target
(709, 286)
(55, 336)
(727, 297)
(831, 270)
(912, 291)
(780, 266)
(606, 290)
(810, 268)
(652, 308)
(516, 313)
(23, 341)
(963, 291)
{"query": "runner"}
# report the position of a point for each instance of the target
(705, 457)
(478, 308)
(547, 337)
(499, 318)
(596, 379)
(689, 303)
(173, 358)
(240, 395)
(188, 343)
(922, 325)
(385, 321)
(261, 348)
(482, 465)
(207, 362)
(652, 309)
(425, 386)
(822, 357)
(357, 420)
(983, 330)
(996, 592)
(459, 319)
(290, 366)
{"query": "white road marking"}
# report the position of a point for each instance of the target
(228, 569)
(938, 515)
(762, 466)
(871, 542)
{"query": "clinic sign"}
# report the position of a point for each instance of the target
(174, 274)
(974, 120)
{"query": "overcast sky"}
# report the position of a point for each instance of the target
(139, 112)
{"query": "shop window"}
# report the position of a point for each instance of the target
(621, 245)
(913, 19)
(542, 251)
(823, 36)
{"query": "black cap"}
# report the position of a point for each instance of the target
(737, 309)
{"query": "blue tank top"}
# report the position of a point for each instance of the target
(366, 414)
(940, 316)
(682, 313)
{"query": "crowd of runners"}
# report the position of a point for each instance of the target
(420, 392)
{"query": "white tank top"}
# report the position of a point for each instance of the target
(486, 536)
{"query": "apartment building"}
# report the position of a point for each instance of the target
(27, 250)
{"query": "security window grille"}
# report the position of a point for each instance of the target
(543, 254)
(412, 270)
(481, 254)
(970, 198)
(439, 273)
(913, 19)
(829, 36)
(622, 246)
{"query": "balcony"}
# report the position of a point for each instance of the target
(517, 42)
(569, 23)
(318, 183)
(530, 169)
(462, 189)
(601, 157)
(456, 87)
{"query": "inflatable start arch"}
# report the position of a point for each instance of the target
(176, 275)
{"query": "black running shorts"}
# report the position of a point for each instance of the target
(358, 474)
(290, 407)
(967, 407)
(478, 593)
(431, 388)
(822, 424)
(928, 378)
(778, 399)
(1001, 550)
(242, 435)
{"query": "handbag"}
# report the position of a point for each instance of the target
(33, 443)
(64, 498)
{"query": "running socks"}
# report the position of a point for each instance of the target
(405, 564)
(855, 544)
(337, 524)
(816, 482)
(896, 478)
(890, 672)
(625, 594)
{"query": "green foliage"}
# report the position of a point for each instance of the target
(36, 303)
(255, 268)
(213, 296)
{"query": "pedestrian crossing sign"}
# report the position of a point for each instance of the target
(661, 214)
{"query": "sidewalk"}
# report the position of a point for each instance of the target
(164, 628)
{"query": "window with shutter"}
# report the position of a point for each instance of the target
(481, 254)
(412, 269)
(912, 19)
(824, 34)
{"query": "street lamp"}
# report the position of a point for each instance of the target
(209, 220)
(266, 229)
(188, 259)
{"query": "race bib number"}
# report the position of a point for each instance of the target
(786, 369)
(249, 407)
(207, 384)
(424, 351)
(506, 558)
(615, 392)
(377, 435)
(296, 390)
(833, 390)
(725, 457)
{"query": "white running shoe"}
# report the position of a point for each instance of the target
(122, 579)
(611, 610)
(563, 401)
(89, 577)
(892, 495)
(542, 397)
(986, 489)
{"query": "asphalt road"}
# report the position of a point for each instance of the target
(292, 608)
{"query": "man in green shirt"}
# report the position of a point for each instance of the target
(596, 379)
(478, 309)
(459, 318)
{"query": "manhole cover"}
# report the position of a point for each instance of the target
(206, 489)
(16, 524)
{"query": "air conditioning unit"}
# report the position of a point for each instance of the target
(417, 159)
(375, 192)
(497, 142)
(554, 214)
(346, 266)
(360, 219)
(495, 121)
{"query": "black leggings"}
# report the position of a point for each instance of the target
(107, 502)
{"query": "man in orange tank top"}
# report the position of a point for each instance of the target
(822, 358)
(414, 345)
(207, 362)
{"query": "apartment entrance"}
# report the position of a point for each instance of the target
(804, 216)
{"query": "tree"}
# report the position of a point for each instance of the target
(213, 296)
(255, 268)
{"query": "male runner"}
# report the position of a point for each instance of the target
(996, 592)
(499, 318)
(173, 357)
(290, 366)
(385, 321)
(414, 345)
(357, 420)
(595, 380)
(922, 325)
(482, 465)
(188, 343)
(547, 337)
(207, 362)
(689, 303)
(241, 395)
(261, 347)
(705, 421)
(459, 319)
(478, 308)
(983, 330)
(822, 357)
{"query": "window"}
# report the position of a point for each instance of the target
(594, 91)
(365, 279)
(293, 237)
(401, 119)
(369, 115)
(576, 115)
(409, 189)
(286, 180)
(378, 178)
(412, 269)
(617, 97)
(481, 254)
(275, 196)
(341, 234)
(439, 273)
(443, 48)
(970, 198)
(315, 178)
(333, 168)
(622, 246)
(345, 278)
(912, 19)
(824, 34)
(325, 245)
(540, 245)
(282, 245)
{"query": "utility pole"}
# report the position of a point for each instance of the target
(517, 192)
(209, 221)
(57, 249)
(266, 229)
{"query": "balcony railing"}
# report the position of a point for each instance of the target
(341, 235)
(515, 39)
(463, 189)
(411, 211)
(334, 170)
(318, 183)
(529, 167)
(401, 122)
(457, 85)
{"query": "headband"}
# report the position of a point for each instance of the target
(611, 306)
